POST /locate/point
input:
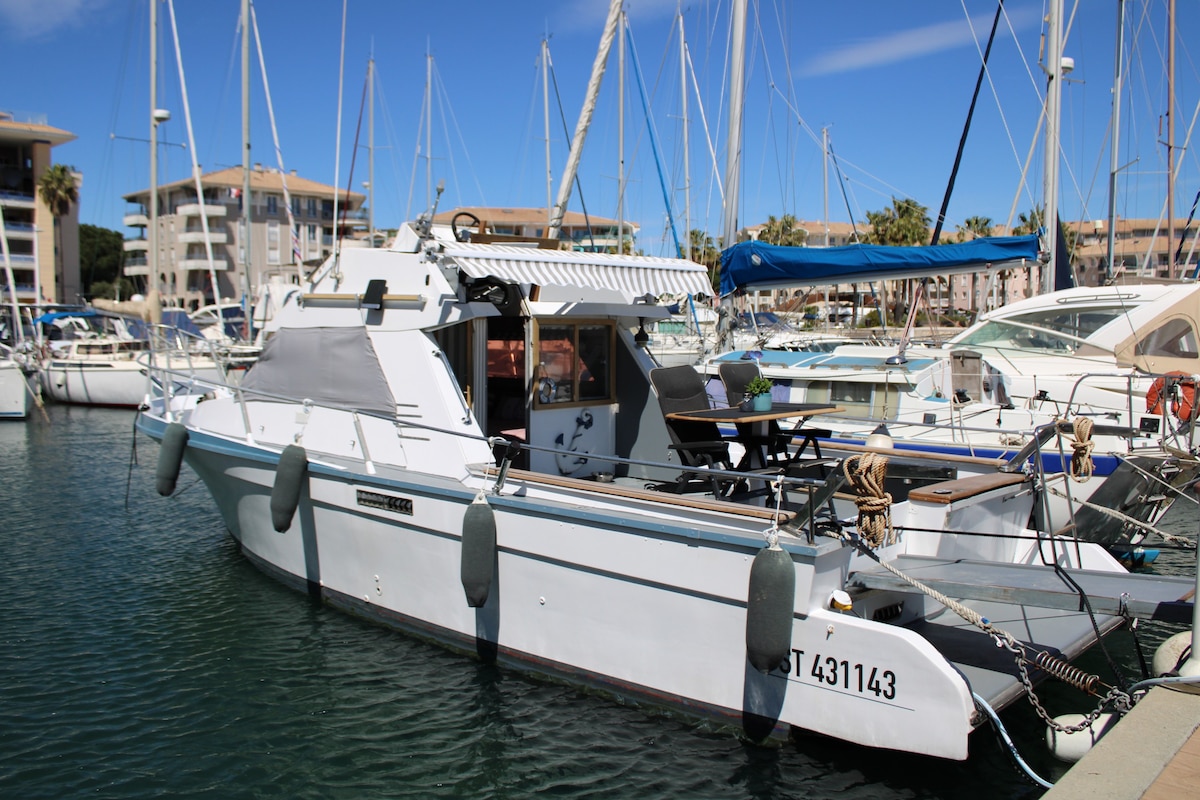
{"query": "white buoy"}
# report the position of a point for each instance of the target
(1172, 654)
(1071, 747)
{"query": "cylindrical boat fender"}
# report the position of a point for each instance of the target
(478, 551)
(769, 608)
(1171, 654)
(1071, 747)
(290, 475)
(170, 457)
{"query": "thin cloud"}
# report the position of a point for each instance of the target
(36, 20)
(907, 45)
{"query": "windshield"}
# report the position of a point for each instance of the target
(1044, 330)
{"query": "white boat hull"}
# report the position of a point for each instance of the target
(15, 395)
(649, 605)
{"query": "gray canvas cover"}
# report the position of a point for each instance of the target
(330, 366)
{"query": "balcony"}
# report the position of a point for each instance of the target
(136, 245)
(219, 262)
(134, 270)
(18, 230)
(11, 199)
(193, 210)
(197, 237)
(136, 220)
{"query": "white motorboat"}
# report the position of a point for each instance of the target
(464, 441)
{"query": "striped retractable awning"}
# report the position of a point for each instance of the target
(634, 276)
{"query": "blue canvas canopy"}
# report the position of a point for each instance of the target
(756, 265)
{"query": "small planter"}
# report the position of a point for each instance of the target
(761, 402)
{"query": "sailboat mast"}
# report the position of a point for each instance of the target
(585, 119)
(371, 147)
(683, 93)
(825, 180)
(1053, 67)
(733, 148)
(1171, 138)
(428, 128)
(247, 275)
(546, 127)
(152, 261)
(621, 135)
(1113, 166)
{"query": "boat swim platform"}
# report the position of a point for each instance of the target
(1038, 607)
(1159, 597)
(1152, 753)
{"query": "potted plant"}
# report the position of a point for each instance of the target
(759, 389)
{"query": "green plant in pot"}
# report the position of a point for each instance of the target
(759, 389)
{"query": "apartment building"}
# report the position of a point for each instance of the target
(45, 266)
(181, 272)
(1140, 249)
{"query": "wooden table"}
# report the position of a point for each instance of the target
(753, 427)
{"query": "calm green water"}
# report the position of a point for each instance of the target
(142, 656)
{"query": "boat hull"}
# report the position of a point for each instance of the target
(648, 605)
(15, 394)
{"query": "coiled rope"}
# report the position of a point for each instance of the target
(866, 473)
(1081, 449)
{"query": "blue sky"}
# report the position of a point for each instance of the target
(890, 80)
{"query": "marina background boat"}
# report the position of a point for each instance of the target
(144, 656)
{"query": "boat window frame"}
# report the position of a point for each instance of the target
(547, 395)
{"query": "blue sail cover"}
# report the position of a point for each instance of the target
(755, 265)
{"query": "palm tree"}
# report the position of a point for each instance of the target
(705, 252)
(905, 222)
(58, 191)
(783, 231)
(976, 227)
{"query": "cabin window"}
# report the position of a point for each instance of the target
(574, 362)
(1175, 339)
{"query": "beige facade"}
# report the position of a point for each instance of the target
(591, 233)
(30, 229)
(181, 272)
(1140, 249)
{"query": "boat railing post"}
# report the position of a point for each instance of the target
(362, 441)
(241, 401)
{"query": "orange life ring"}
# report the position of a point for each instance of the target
(1183, 404)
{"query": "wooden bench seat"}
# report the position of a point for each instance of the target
(961, 488)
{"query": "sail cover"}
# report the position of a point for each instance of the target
(755, 265)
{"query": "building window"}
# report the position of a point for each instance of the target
(273, 241)
(295, 206)
(312, 206)
(272, 204)
(574, 362)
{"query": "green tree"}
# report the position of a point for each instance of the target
(58, 191)
(905, 222)
(975, 227)
(101, 256)
(783, 231)
(705, 252)
(1028, 223)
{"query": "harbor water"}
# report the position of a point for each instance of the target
(143, 657)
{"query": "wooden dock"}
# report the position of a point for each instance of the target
(1152, 754)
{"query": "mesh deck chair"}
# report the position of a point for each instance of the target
(699, 444)
(735, 375)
